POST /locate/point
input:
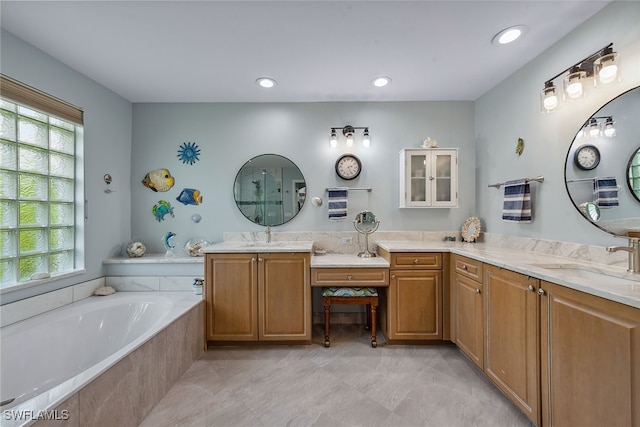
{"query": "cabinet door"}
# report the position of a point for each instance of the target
(428, 178)
(511, 341)
(284, 297)
(469, 322)
(590, 363)
(415, 305)
(231, 299)
(444, 178)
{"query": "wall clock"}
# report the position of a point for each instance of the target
(587, 157)
(348, 166)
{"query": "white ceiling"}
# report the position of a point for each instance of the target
(213, 51)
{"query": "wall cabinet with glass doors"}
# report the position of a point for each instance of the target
(429, 178)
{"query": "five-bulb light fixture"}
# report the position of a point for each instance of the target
(594, 128)
(348, 132)
(599, 68)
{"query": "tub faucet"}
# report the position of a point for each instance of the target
(268, 234)
(634, 253)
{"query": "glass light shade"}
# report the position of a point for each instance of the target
(366, 139)
(350, 140)
(381, 81)
(548, 98)
(594, 128)
(609, 129)
(334, 139)
(574, 87)
(607, 69)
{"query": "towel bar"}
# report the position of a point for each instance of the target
(353, 189)
(500, 184)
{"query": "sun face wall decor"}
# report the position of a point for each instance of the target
(188, 153)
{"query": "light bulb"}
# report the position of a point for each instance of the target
(594, 128)
(333, 141)
(574, 89)
(349, 140)
(551, 102)
(366, 140)
(608, 73)
(609, 129)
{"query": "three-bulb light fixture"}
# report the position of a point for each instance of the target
(348, 132)
(599, 68)
(594, 127)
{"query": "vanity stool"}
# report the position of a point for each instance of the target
(368, 296)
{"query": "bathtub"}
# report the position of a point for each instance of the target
(48, 358)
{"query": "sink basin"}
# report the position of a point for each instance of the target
(267, 244)
(588, 274)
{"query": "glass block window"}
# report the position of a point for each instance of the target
(38, 193)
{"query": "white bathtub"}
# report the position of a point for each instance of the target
(47, 358)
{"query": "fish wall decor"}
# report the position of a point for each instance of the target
(190, 196)
(159, 180)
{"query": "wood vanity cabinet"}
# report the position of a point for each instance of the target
(413, 305)
(257, 297)
(468, 308)
(511, 337)
(590, 359)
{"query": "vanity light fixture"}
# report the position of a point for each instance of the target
(266, 82)
(594, 127)
(348, 131)
(599, 68)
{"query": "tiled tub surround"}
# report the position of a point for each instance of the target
(118, 387)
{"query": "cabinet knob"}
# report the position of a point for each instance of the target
(260, 259)
(464, 266)
(431, 178)
(415, 261)
(540, 291)
(253, 259)
(477, 291)
(393, 276)
(530, 288)
(349, 277)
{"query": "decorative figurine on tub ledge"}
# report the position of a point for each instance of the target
(169, 246)
(136, 249)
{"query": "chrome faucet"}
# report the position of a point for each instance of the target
(634, 253)
(268, 234)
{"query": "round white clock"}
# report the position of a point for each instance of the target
(587, 157)
(348, 166)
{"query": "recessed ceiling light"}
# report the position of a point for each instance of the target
(381, 81)
(509, 35)
(266, 82)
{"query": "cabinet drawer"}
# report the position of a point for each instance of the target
(468, 267)
(410, 260)
(330, 277)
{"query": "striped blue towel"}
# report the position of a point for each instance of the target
(605, 192)
(337, 203)
(517, 201)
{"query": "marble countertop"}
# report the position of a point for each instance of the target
(610, 282)
(156, 259)
(259, 246)
(347, 261)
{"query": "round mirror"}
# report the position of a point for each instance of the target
(269, 190)
(366, 222)
(633, 176)
(598, 191)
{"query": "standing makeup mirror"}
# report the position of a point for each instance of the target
(366, 223)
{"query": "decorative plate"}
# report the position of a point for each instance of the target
(471, 229)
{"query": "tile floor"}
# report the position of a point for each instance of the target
(348, 384)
